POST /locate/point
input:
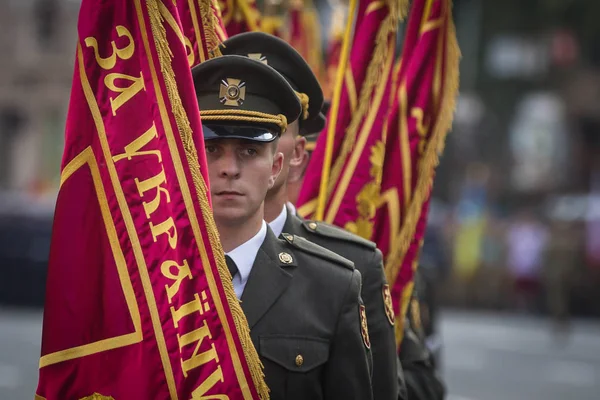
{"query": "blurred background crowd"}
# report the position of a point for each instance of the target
(515, 217)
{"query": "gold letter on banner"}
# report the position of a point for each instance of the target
(197, 336)
(207, 384)
(165, 227)
(153, 183)
(183, 271)
(133, 148)
(123, 53)
(126, 92)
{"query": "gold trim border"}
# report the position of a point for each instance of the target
(86, 157)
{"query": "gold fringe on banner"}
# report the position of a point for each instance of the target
(241, 324)
(209, 22)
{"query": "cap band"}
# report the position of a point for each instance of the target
(304, 99)
(246, 116)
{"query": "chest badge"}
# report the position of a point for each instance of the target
(232, 92)
(387, 303)
(364, 329)
(285, 258)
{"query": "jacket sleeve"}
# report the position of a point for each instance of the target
(422, 379)
(383, 342)
(347, 375)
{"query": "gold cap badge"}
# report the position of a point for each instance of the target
(258, 57)
(232, 92)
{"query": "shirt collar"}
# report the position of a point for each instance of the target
(278, 223)
(245, 254)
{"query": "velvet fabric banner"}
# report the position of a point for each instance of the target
(140, 303)
(385, 142)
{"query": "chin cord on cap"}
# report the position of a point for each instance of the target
(246, 116)
(303, 97)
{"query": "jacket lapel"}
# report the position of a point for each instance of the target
(268, 279)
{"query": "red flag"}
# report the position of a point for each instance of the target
(203, 29)
(381, 177)
(139, 302)
(358, 108)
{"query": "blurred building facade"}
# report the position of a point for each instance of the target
(37, 44)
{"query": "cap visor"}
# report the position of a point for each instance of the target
(253, 133)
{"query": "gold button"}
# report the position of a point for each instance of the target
(288, 237)
(285, 258)
(313, 226)
(299, 360)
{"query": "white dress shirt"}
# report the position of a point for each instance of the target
(277, 224)
(244, 256)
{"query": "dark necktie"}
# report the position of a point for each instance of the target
(233, 269)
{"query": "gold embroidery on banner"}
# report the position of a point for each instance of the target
(241, 324)
(97, 396)
(213, 34)
(350, 88)
(173, 24)
(374, 6)
(430, 159)
(368, 198)
(422, 127)
(383, 54)
(38, 397)
(362, 139)
(87, 158)
(196, 25)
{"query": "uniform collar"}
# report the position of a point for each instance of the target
(277, 224)
(245, 254)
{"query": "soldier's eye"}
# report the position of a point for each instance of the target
(210, 148)
(249, 151)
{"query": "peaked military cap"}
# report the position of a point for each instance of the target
(279, 55)
(312, 136)
(241, 98)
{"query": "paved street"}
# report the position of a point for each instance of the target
(487, 357)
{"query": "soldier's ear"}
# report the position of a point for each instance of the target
(299, 160)
(276, 168)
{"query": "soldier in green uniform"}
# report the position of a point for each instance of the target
(302, 301)
(282, 217)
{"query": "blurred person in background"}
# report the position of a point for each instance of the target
(526, 240)
(559, 270)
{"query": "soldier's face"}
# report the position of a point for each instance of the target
(241, 172)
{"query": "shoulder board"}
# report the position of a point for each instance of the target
(309, 247)
(330, 231)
